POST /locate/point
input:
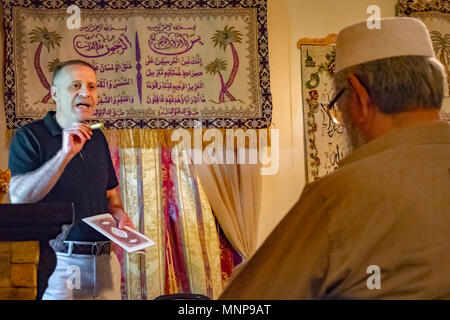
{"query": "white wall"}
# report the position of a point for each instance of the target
(288, 21)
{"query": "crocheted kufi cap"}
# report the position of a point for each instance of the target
(403, 36)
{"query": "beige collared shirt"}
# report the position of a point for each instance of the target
(387, 207)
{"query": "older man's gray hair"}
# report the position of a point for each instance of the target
(399, 84)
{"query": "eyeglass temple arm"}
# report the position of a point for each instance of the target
(333, 101)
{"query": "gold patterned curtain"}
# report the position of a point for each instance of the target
(167, 203)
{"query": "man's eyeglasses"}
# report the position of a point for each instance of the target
(333, 110)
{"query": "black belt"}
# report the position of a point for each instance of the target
(89, 248)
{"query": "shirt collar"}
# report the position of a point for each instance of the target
(434, 132)
(51, 124)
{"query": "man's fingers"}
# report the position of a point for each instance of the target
(86, 128)
(81, 132)
(85, 131)
(76, 134)
(131, 226)
(79, 137)
(75, 137)
(126, 222)
(83, 128)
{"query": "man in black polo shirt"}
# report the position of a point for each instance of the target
(60, 159)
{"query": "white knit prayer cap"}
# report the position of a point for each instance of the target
(403, 36)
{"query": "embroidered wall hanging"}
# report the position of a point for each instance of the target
(325, 141)
(435, 15)
(160, 64)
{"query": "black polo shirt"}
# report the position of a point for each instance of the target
(85, 179)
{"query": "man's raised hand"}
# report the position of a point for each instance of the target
(74, 138)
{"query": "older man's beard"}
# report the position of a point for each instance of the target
(355, 138)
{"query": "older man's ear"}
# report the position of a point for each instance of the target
(360, 107)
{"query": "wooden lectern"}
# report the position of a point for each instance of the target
(22, 227)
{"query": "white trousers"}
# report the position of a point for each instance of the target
(84, 277)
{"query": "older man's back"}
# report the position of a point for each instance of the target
(387, 206)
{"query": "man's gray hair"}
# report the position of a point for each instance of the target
(64, 64)
(399, 84)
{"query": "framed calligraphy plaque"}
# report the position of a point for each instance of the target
(160, 64)
(325, 142)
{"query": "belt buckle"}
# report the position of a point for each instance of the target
(94, 249)
(97, 248)
(66, 248)
(70, 249)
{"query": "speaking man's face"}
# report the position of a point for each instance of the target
(75, 93)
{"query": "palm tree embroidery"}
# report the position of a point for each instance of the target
(223, 39)
(217, 66)
(442, 44)
(49, 40)
(52, 65)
